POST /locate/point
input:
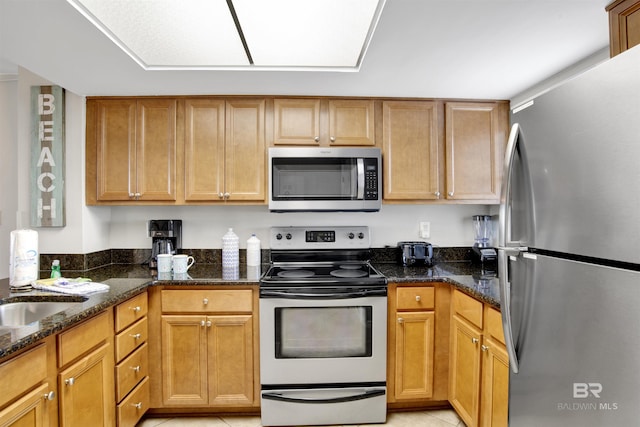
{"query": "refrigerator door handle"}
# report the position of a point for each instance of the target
(504, 221)
(505, 306)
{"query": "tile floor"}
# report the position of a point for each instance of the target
(432, 418)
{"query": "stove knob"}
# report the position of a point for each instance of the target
(360, 235)
(278, 236)
(351, 235)
(288, 236)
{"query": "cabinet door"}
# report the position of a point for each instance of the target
(29, 411)
(86, 391)
(230, 349)
(115, 139)
(351, 122)
(297, 121)
(245, 178)
(464, 371)
(624, 25)
(495, 384)
(414, 355)
(156, 149)
(410, 150)
(184, 360)
(204, 149)
(475, 140)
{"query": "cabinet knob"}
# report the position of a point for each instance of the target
(135, 336)
(475, 340)
(208, 323)
(70, 381)
(450, 193)
(49, 396)
(400, 320)
(227, 195)
(202, 323)
(316, 139)
(131, 195)
(220, 195)
(333, 139)
(136, 309)
(137, 405)
(205, 301)
(484, 347)
(136, 368)
(437, 194)
(418, 298)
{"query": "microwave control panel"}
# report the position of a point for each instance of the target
(370, 179)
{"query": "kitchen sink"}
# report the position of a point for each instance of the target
(17, 314)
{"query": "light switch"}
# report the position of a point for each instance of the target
(425, 230)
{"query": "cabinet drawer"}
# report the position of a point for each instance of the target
(21, 373)
(82, 338)
(131, 311)
(131, 338)
(467, 307)
(131, 370)
(207, 301)
(493, 324)
(131, 409)
(415, 298)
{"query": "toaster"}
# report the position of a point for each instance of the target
(415, 253)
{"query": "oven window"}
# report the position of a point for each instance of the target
(319, 179)
(323, 332)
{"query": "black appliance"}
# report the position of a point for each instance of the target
(415, 253)
(166, 238)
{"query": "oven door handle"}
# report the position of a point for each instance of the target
(366, 395)
(268, 293)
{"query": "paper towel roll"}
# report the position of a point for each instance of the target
(24, 259)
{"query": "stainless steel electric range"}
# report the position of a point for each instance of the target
(323, 329)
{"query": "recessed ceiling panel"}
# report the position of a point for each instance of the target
(169, 34)
(303, 33)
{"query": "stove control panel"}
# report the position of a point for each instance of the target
(342, 237)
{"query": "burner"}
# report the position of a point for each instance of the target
(296, 273)
(351, 266)
(343, 272)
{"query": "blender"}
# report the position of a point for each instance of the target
(482, 252)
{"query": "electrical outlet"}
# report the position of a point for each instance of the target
(425, 230)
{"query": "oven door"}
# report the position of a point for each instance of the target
(323, 336)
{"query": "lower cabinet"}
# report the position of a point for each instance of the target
(86, 373)
(208, 359)
(478, 365)
(29, 411)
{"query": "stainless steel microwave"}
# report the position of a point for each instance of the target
(325, 179)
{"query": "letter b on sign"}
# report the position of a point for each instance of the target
(583, 390)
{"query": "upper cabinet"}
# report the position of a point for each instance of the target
(131, 150)
(324, 122)
(224, 150)
(451, 151)
(475, 136)
(624, 25)
(410, 150)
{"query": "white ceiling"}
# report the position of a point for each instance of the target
(480, 49)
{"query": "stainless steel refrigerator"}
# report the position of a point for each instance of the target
(569, 251)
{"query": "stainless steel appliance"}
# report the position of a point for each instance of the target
(323, 329)
(415, 253)
(324, 179)
(166, 238)
(568, 258)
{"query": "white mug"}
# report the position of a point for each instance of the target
(164, 263)
(181, 263)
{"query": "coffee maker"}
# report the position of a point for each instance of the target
(482, 251)
(166, 238)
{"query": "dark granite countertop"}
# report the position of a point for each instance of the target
(128, 280)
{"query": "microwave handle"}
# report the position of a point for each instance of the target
(360, 169)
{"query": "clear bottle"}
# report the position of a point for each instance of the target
(55, 269)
